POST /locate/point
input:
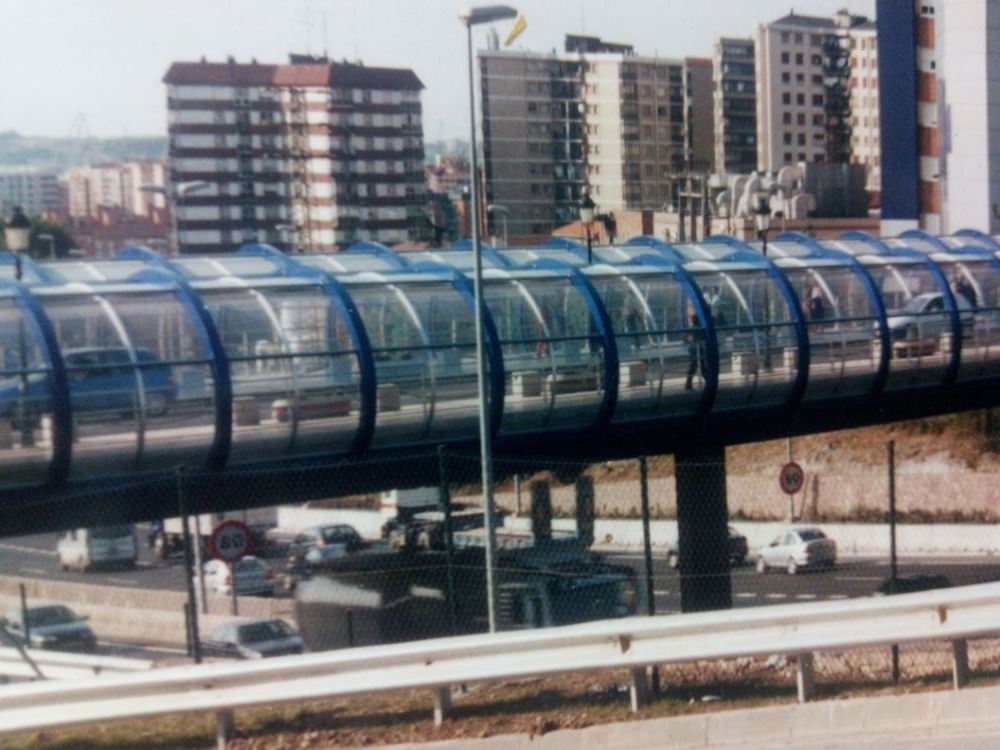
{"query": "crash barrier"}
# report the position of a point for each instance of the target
(58, 665)
(798, 630)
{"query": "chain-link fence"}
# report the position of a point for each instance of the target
(574, 542)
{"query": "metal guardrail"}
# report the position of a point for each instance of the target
(632, 643)
(63, 665)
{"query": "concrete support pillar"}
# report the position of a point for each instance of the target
(805, 677)
(638, 688)
(702, 527)
(224, 723)
(442, 704)
(960, 663)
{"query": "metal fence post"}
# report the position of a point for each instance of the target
(647, 548)
(890, 454)
(444, 498)
(224, 722)
(188, 564)
(805, 677)
(960, 663)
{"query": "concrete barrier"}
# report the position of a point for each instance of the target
(120, 613)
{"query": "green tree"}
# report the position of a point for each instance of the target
(41, 247)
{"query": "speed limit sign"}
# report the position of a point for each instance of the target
(230, 541)
(791, 478)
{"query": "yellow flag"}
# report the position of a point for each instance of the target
(519, 25)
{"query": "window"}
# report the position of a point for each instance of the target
(817, 59)
(800, 99)
(815, 40)
(798, 38)
(800, 77)
(785, 36)
(817, 100)
(801, 139)
(786, 118)
(799, 59)
(784, 57)
(786, 98)
(785, 77)
(802, 156)
(788, 156)
(787, 138)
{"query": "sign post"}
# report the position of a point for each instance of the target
(230, 542)
(791, 479)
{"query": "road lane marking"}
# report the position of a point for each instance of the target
(747, 595)
(662, 592)
(836, 596)
(32, 550)
(858, 578)
(805, 596)
(121, 581)
(36, 571)
(776, 596)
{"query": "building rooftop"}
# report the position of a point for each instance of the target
(813, 22)
(232, 73)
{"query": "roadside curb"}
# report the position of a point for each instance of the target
(934, 713)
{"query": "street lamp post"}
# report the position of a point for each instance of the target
(473, 17)
(494, 209)
(763, 220)
(587, 216)
(180, 189)
(17, 234)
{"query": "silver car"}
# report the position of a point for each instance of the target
(252, 577)
(255, 639)
(797, 548)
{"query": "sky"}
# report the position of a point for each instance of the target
(95, 67)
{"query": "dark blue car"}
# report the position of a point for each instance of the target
(101, 379)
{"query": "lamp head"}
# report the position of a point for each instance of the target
(486, 14)
(586, 209)
(17, 231)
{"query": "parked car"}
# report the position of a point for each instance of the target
(909, 584)
(917, 327)
(101, 379)
(252, 577)
(798, 548)
(50, 626)
(254, 639)
(738, 550)
(322, 542)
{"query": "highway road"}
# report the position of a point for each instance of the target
(34, 557)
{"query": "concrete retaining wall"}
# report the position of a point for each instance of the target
(120, 613)
(851, 538)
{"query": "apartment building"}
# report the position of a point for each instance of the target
(114, 185)
(808, 92)
(596, 118)
(34, 189)
(864, 104)
(735, 106)
(312, 154)
(941, 169)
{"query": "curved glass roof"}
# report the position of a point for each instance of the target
(145, 362)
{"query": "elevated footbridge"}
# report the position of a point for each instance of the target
(132, 365)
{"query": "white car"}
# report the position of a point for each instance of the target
(797, 548)
(255, 639)
(253, 577)
(917, 327)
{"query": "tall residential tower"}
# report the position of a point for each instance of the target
(313, 155)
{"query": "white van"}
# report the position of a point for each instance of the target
(100, 546)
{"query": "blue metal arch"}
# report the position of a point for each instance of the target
(920, 234)
(875, 243)
(564, 243)
(222, 382)
(487, 250)
(139, 252)
(7, 258)
(45, 337)
(949, 299)
(491, 343)
(666, 249)
(871, 291)
(704, 314)
(380, 251)
(744, 253)
(603, 322)
(368, 386)
(981, 236)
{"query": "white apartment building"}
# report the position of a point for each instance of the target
(595, 119)
(32, 188)
(811, 90)
(312, 155)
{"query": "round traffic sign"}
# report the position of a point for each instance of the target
(230, 541)
(791, 478)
